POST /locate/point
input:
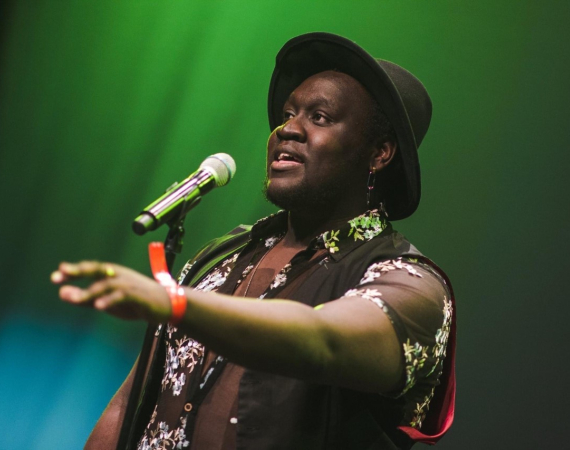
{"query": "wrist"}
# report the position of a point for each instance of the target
(177, 302)
(161, 274)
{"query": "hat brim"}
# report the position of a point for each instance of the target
(312, 53)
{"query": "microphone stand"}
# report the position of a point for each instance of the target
(172, 245)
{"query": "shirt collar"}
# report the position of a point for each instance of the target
(338, 242)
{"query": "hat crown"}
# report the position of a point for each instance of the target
(414, 95)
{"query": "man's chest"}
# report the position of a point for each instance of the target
(265, 270)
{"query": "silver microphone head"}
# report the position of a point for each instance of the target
(222, 167)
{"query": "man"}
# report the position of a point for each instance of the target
(347, 348)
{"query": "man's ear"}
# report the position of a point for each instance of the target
(382, 154)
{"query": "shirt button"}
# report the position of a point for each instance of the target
(188, 407)
(233, 420)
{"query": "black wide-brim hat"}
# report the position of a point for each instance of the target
(401, 96)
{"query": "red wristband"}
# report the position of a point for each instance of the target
(162, 275)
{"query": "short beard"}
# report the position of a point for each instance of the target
(304, 199)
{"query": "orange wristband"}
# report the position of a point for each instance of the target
(162, 275)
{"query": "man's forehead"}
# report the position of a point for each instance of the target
(328, 87)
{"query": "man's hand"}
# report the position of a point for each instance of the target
(116, 290)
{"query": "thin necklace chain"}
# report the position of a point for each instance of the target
(257, 267)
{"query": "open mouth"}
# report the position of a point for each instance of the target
(287, 157)
(285, 161)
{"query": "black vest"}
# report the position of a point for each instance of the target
(280, 413)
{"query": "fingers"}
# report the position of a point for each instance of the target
(114, 289)
(76, 295)
(84, 269)
(108, 301)
(71, 294)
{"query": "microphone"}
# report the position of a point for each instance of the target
(216, 170)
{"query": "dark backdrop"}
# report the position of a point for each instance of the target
(104, 104)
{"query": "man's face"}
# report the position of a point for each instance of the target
(319, 158)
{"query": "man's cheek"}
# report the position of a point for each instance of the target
(271, 141)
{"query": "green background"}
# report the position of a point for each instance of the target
(104, 104)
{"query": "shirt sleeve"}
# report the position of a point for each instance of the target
(416, 300)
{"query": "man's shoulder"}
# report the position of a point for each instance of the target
(391, 250)
(390, 244)
(234, 238)
(214, 251)
(240, 229)
(234, 235)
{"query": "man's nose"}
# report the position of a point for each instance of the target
(292, 130)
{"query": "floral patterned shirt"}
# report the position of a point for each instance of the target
(409, 291)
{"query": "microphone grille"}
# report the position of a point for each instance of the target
(222, 167)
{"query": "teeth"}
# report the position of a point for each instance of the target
(286, 157)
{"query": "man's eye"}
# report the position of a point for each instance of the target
(286, 116)
(320, 118)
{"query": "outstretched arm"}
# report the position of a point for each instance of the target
(348, 342)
